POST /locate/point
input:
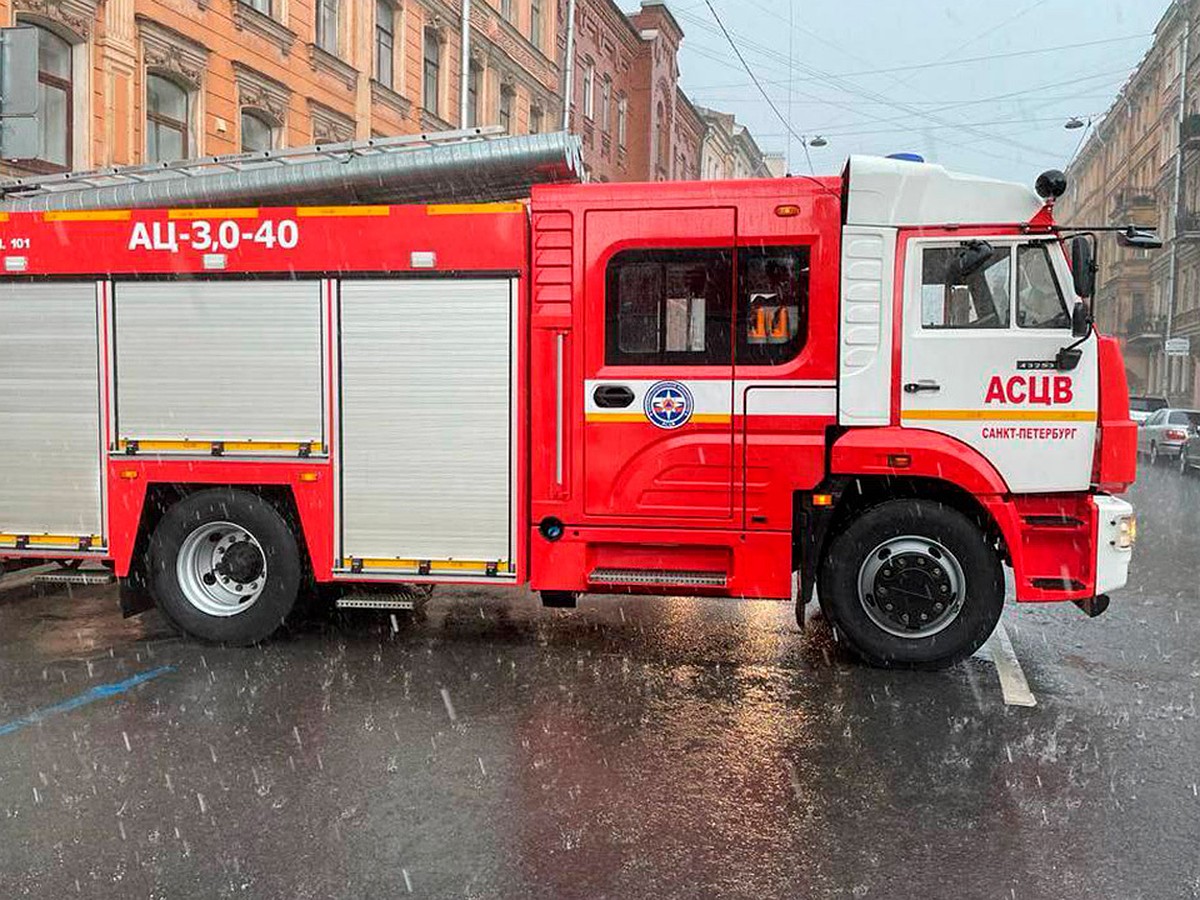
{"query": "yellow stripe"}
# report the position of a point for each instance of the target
(699, 418)
(450, 565)
(52, 540)
(325, 212)
(234, 213)
(230, 446)
(86, 215)
(473, 209)
(997, 415)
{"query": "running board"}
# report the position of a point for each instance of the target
(391, 602)
(75, 577)
(651, 577)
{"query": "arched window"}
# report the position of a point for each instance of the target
(56, 99)
(166, 120)
(257, 133)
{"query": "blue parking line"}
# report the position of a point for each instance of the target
(91, 695)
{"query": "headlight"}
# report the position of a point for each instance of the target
(1126, 532)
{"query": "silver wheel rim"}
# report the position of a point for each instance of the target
(912, 587)
(222, 569)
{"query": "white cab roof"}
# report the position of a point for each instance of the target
(903, 193)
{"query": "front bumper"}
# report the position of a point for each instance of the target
(1115, 534)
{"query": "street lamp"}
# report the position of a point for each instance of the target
(1073, 123)
(818, 141)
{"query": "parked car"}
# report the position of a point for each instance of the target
(1164, 433)
(1189, 453)
(1142, 408)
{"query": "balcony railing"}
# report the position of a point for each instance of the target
(1142, 327)
(1136, 206)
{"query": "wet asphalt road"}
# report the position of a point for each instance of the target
(633, 748)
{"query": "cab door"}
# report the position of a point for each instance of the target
(658, 393)
(978, 359)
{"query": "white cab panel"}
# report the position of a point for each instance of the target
(868, 276)
(219, 361)
(426, 408)
(50, 410)
(899, 192)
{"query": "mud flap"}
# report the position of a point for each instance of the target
(135, 596)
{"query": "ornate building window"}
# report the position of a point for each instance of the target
(385, 43)
(167, 108)
(56, 98)
(174, 67)
(507, 94)
(264, 105)
(257, 133)
(328, 12)
(432, 72)
(474, 89)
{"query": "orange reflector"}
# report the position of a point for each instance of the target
(899, 460)
(129, 474)
(309, 477)
(787, 211)
(822, 499)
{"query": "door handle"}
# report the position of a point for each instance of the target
(925, 385)
(613, 396)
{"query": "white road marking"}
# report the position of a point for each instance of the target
(999, 650)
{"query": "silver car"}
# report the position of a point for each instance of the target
(1164, 433)
(1142, 408)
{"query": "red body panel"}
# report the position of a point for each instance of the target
(334, 240)
(130, 477)
(1116, 452)
(874, 451)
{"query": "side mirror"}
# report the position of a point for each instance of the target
(1081, 320)
(972, 257)
(1083, 267)
(1138, 239)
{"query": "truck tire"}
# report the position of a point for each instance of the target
(913, 584)
(225, 567)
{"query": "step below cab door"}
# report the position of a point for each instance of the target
(984, 321)
(657, 405)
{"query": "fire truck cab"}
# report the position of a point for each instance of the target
(853, 387)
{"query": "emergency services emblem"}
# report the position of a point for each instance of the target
(669, 405)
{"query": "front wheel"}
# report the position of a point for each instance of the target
(225, 567)
(913, 583)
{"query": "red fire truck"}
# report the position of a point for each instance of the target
(877, 389)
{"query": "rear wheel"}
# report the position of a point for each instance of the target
(225, 566)
(913, 583)
(1184, 468)
(1154, 454)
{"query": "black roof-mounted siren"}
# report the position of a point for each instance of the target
(1051, 185)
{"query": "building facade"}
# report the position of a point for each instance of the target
(728, 150)
(128, 81)
(1141, 165)
(635, 121)
(147, 81)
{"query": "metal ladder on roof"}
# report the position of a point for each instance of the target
(205, 166)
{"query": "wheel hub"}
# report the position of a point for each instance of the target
(221, 568)
(911, 587)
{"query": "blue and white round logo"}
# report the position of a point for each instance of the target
(669, 405)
